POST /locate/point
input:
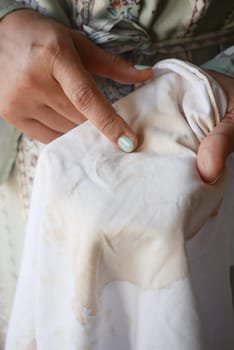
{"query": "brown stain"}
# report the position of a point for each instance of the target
(106, 261)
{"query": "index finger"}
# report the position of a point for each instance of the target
(82, 91)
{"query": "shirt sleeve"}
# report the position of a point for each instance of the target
(7, 6)
(223, 62)
(59, 10)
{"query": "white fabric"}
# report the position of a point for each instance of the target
(104, 263)
(210, 269)
(15, 195)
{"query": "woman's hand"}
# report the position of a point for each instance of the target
(216, 147)
(45, 85)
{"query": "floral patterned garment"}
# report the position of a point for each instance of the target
(144, 32)
(126, 25)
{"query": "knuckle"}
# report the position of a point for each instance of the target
(83, 97)
(229, 119)
(54, 47)
(115, 60)
(106, 125)
(112, 61)
(52, 51)
(27, 80)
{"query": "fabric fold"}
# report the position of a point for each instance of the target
(104, 263)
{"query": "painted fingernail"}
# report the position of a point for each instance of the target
(126, 144)
(141, 67)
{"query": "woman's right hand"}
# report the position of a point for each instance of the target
(45, 85)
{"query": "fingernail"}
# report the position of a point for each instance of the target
(214, 181)
(126, 144)
(141, 67)
(208, 168)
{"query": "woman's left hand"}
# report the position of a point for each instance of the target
(216, 147)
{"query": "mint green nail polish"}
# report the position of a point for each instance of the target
(126, 144)
(140, 67)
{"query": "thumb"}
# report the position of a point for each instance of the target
(105, 64)
(215, 148)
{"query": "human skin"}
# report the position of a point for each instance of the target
(46, 88)
(216, 147)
